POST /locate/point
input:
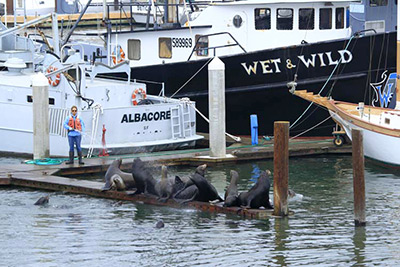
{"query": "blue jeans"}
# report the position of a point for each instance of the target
(75, 140)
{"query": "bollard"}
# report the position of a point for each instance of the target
(358, 177)
(254, 129)
(40, 94)
(216, 101)
(281, 168)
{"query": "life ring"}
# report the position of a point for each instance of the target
(118, 55)
(138, 91)
(58, 76)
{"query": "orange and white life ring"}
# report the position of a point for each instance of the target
(56, 81)
(135, 94)
(118, 55)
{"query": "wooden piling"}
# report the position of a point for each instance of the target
(358, 177)
(281, 168)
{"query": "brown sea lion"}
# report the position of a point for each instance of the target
(145, 183)
(165, 186)
(258, 195)
(42, 201)
(117, 179)
(231, 194)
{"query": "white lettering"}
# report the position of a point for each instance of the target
(309, 61)
(265, 66)
(343, 54)
(250, 68)
(331, 62)
(321, 58)
(276, 61)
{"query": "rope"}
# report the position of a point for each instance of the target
(95, 122)
(311, 128)
(45, 161)
(177, 91)
(323, 87)
(235, 138)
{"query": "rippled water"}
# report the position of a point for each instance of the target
(75, 230)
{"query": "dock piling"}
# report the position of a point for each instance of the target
(41, 139)
(358, 177)
(216, 100)
(281, 168)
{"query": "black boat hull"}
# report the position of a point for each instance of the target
(256, 83)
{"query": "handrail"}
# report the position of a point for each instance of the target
(215, 47)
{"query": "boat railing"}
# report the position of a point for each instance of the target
(154, 10)
(197, 47)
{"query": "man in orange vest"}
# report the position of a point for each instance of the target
(75, 126)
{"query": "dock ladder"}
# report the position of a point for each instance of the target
(187, 130)
(176, 125)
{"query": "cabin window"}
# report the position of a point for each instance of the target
(378, 2)
(306, 18)
(262, 18)
(164, 47)
(237, 21)
(340, 18)
(29, 99)
(284, 19)
(325, 18)
(134, 49)
(201, 45)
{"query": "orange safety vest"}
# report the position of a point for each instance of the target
(75, 123)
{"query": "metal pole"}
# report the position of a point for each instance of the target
(41, 139)
(56, 38)
(281, 168)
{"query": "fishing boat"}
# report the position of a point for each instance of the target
(120, 116)
(263, 44)
(379, 122)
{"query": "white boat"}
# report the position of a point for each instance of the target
(133, 121)
(380, 125)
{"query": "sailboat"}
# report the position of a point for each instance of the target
(380, 125)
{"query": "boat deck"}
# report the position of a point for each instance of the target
(50, 177)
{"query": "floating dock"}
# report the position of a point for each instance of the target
(50, 177)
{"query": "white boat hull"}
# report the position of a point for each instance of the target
(377, 146)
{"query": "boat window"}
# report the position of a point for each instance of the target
(237, 21)
(325, 18)
(340, 18)
(378, 2)
(262, 17)
(284, 19)
(134, 49)
(306, 18)
(29, 99)
(164, 47)
(201, 45)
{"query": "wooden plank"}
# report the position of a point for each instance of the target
(92, 188)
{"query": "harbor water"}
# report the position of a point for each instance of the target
(77, 230)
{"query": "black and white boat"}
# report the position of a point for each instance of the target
(264, 45)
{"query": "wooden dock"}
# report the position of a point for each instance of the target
(49, 177)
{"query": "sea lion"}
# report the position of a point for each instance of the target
(258, 195)
(117, 179)
(165, 186)
(231, 194)
(42, 200)
(145, 183)
(189, 191)
(160, 224)
(206, 191)
(184, 192)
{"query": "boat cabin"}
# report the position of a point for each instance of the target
(226, 28)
